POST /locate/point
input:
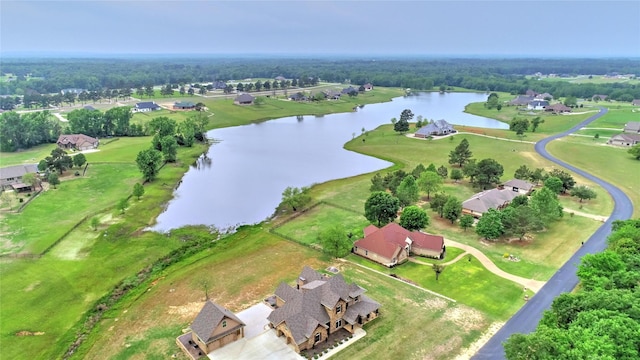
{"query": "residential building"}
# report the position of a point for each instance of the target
(244, 99)
(77, 142)
(367, 87)
(632, 127)
(184, 105)
(481, 202)
(317, 307)
(11, 176)
(624, 139)
(558, 108)
(522, 187)
(521, 100)
(635, 102)
(392, 244)
(435, 128)
(537, 105)
(213, 328)
(146, 106)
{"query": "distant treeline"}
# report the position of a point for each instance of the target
(483, 74)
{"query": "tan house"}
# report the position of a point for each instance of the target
(481, 202)
(317, 307)
(522, 187)
(77, 141)
(392, 244)
(11, 176)
(632, 127)
(624, 139)
(558, 108)
(213, 328)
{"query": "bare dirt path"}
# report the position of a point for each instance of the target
(590, 216)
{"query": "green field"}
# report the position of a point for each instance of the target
(617, 116)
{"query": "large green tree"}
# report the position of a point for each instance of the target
(490, 226)
(437, 203)
(138, 190)
(408, 191)
(554, 184)
(296, 198)
(429, 182)
(59, 161)
(149, 162)
(169, 148)
(381, 208)
(546, 205)
(567, 180)
(489, 172)
(635, 151)
(520, 220)
(452, 209)
(335, 241)
(414, 218)
(461, 154)
(79, 160)
(583, 192)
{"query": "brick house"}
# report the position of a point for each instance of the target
(392, 244)
(317, 307)
(77, 142)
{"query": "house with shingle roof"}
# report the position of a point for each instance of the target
(598, 97)
(244, 99)
(213, 328)
(11, 176)
(520, 186)
(558, 108)
(77, 142)
(184, 105)
(481, 202)
(435, 128)
(146, 106)
(537, 105)
(624, 139)
(632, 127)
(392, 244)
(521, 100)
(317, 307)
(635, 102)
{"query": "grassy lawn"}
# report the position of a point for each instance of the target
(31, 156)
(305, 228)
(617, 117)
(610, 163)
(150, 320)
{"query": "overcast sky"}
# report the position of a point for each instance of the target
(394, 28)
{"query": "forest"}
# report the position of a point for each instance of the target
(46, 76)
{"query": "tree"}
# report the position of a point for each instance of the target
(43, 165)
(295, 198)
(335, 241)
(554, 184)
(437, 203)
(377, 183)
(489, 173)
(120, 117)
(520, 126)
(536, 122)
(635, 151)
(163, 126)
(432, 168)
(456, 175)
(138, 190)
(53, 180)
(466, 222)
(122, 205)
(429, 182)
(169, 148)
(381, 208)
(520, 200)
(489, 225)
(537, 175)
(406, 115)
(452, 209)
(95, 222)
(414, 218)
(438, 269)
(442, 171)
(582, 192)
(522, 173)
(149, 162)
(59, 160)
(545, 203)
(408, 191)
(401, 126)
(418, 171)
(520, 220)
(79, 160)
(260, 100)
(492, 101)
(567, 180)
(461, 154)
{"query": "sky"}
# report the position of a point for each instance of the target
(507, 28)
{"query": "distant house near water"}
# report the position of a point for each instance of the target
(244, 99)
(77, 142)
(146, 106)
(558, 108)
(436, 128)
(537, 105)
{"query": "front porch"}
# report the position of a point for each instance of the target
(333, 340)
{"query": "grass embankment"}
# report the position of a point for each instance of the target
(148, 324)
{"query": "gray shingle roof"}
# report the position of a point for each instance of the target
(489, 199)
(437, 127)
(244, 98)
(17, 171)
(520, 184)
(147, 105)
(632, 126)
(208, 319)
(362, 308)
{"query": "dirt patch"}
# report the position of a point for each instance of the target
(467, 353)
(29, 333)
(32, 286)
(435, 303)
(466, 318)
(444, 348)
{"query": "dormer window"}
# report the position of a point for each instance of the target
(357, 298)
(224, 323)
(338, 309)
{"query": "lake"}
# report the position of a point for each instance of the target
(241, 178)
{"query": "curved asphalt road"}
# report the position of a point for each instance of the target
(527, 318)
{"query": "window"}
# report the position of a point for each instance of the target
(366, 252)
(338, 309)
(338, 324)
(357, 298)
(224, 323)
(317, 338)
(515, 189)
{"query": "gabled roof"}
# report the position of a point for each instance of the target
(244, 98)
(635, 102)
(209, 318)
(538, 103)
(558, 108)
(489, 199)
(391, 238)
(76, 139)
(437, 127)
(184, 104)
(147, 105)
(521, 100)
(632, 138)
(17, 170)
(361, 308)
(633, 126)
(520, 184)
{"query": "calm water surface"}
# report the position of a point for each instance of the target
(243, 175)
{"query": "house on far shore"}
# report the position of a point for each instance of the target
(537, 105)
(146, 106)
(184, 105)
(367, 87)
(213, 328)
(632, 127)
(635, 102)
(436, 128)
(392, 244)
(244, 99)
(77, 142)
(521, 100)
(481, 202)
(558, 108)
(599, 97)
(11, 176)
(624, 139)
(522, 187)
(318, 307)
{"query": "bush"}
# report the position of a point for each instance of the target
(506, 255)
(20, 200)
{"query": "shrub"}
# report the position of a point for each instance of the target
(506, 255)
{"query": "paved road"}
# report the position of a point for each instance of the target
(527, 318)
